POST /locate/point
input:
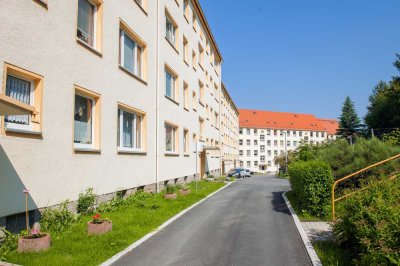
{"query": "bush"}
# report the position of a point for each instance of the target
(86, 202)
(369, 223)
(8, 244)
(57, 220)
(312, 182)
(170, 189)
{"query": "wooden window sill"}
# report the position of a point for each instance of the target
(90, 48)
(172, 45)
(172, 100)
(132, 75)
(172, 154)
(141, 8)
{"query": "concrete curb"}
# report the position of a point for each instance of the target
(307, 243)
(119, 255)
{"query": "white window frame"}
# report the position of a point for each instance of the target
(11, 125)
(173, 88)
(87, 146)
(173, 144)
(94, 25)
(137, 70)
(121, 131)
(173, 42)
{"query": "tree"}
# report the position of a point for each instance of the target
(384, 105)
(349, 122)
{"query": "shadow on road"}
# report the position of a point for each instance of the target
(278, 203)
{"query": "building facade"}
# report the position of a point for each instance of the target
(112, 96)
(230, 132)
(264, 135)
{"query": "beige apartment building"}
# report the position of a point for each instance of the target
(112, 95)
(230, 132)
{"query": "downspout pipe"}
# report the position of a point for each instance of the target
(157, 98)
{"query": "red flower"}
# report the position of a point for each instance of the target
(96, 216)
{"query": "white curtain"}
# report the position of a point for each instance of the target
(20, 90)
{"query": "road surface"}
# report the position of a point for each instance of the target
(247, 223)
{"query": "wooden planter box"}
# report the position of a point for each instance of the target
(170, 196)
(28, 244)
(99, 229)
(184, 192)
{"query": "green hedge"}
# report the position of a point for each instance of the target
(312, 182)
(369, 224)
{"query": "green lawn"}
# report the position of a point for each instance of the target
(130, 223)
(331, 254)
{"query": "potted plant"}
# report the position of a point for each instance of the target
(34, 241)
(98, 226)
(170, 192)
(184, 190)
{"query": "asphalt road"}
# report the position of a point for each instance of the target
(245, 224)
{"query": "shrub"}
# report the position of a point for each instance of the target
(8, 244)
(57, 220)
(170, 189)
(312, 182)
(369, 223)
(86, 202)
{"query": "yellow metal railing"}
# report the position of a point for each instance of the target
(352, 175)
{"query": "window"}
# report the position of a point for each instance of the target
(255, 153)
(186, 141)
(255, 163)
(248, 142)
(255, 132)
(300, 133)
(194, 20)
(269, 163)
(241, 164)
(240, 142)
(194, 59)
(240, 131)
(201, 54)
(248, 164)
(262, 148)
(294, 143)
(262, 158)
(255, 142)
(248, 131)
(201, 128)
(186, 96)
(275, 153)
(86, 119)
(89, 23)
(248, 153)
(24, 89)
(268, 143)
(170, 30)
(194, 101)
(268, 132)
(275, 132)
(281, 143)
(201, 93)
(132, 52)
(130, 129)
(186, 9)
(185, 50)
(275, 143)
(240, 152)
(294, 133)
(171, 81)
(262, 138)
(269, 153)
(216, 120)
(171, 135)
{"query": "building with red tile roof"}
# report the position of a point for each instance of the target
(264, 135)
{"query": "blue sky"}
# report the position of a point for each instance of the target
(305, 56)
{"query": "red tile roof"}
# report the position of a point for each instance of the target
(330, 125)
(282, 120)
